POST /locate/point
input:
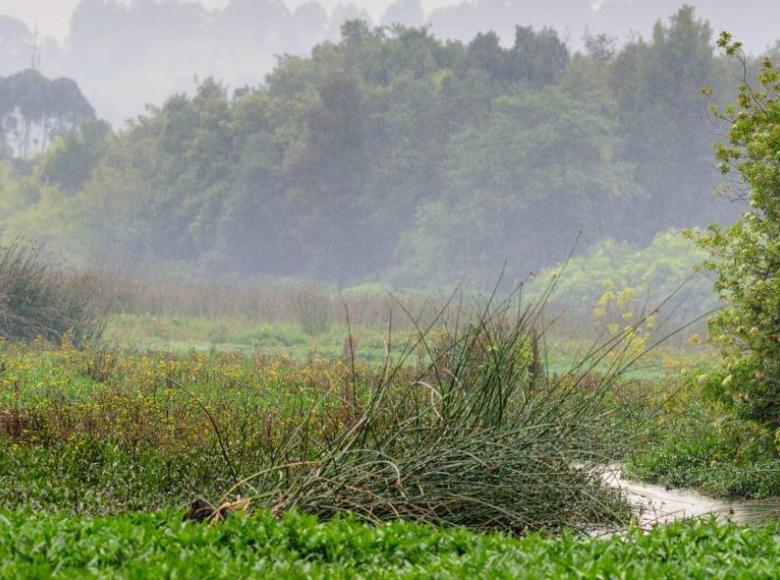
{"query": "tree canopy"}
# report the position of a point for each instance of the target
(394, 155)
(33, 109)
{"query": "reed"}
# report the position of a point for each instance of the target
(40, 298)
(480, 437)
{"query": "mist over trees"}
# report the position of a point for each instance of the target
(394, 155)
(126, 54)
(34, 110)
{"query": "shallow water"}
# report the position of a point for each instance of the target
(656, 504)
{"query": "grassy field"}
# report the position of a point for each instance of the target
(182, 335)
(99, 431)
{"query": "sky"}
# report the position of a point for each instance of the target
(52, 17)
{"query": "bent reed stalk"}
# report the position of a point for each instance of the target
(481, 437)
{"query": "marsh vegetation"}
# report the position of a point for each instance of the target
(265, 332)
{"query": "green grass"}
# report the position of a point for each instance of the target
(112, 453)
(177, 334)
(719, 459)
(693, 441)
(183, 334)
(157, 545)
(96, 432)
(87, 477)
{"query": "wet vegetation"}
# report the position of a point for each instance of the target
(159, 544)
(40, 300)
(278, 351)
(453, 430)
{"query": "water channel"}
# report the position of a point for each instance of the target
(657, 504)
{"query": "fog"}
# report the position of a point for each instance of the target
(259, 140)
(128, 54)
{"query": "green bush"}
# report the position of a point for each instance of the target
(653, 274)
(746, 255)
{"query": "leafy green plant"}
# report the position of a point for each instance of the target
(666, 267)
(159, 544)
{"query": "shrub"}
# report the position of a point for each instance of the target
(654, 274)
(746, 255)
(39, 300)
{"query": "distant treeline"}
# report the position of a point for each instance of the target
(392, 155)
(175, 41)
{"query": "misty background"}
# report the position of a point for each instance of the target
(412, 145)
(126, 54)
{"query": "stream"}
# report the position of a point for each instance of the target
(657, 504)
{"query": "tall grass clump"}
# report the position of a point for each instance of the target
(480, 437)
(40, 300)
(313, 308)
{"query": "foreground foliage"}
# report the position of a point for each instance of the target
(159, 545)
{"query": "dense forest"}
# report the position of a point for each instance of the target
(393, 155)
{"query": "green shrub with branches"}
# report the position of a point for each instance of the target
(746, 255)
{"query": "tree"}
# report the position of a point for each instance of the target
(664, 119)
(538, 57)
(485, 53)
(34, 109)
(73, 156)
(600, 47)
(405, 12)
(746, 255)
(519, 188)
(388, 148)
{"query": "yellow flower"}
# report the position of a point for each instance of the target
(625, 296)
(606, 298)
